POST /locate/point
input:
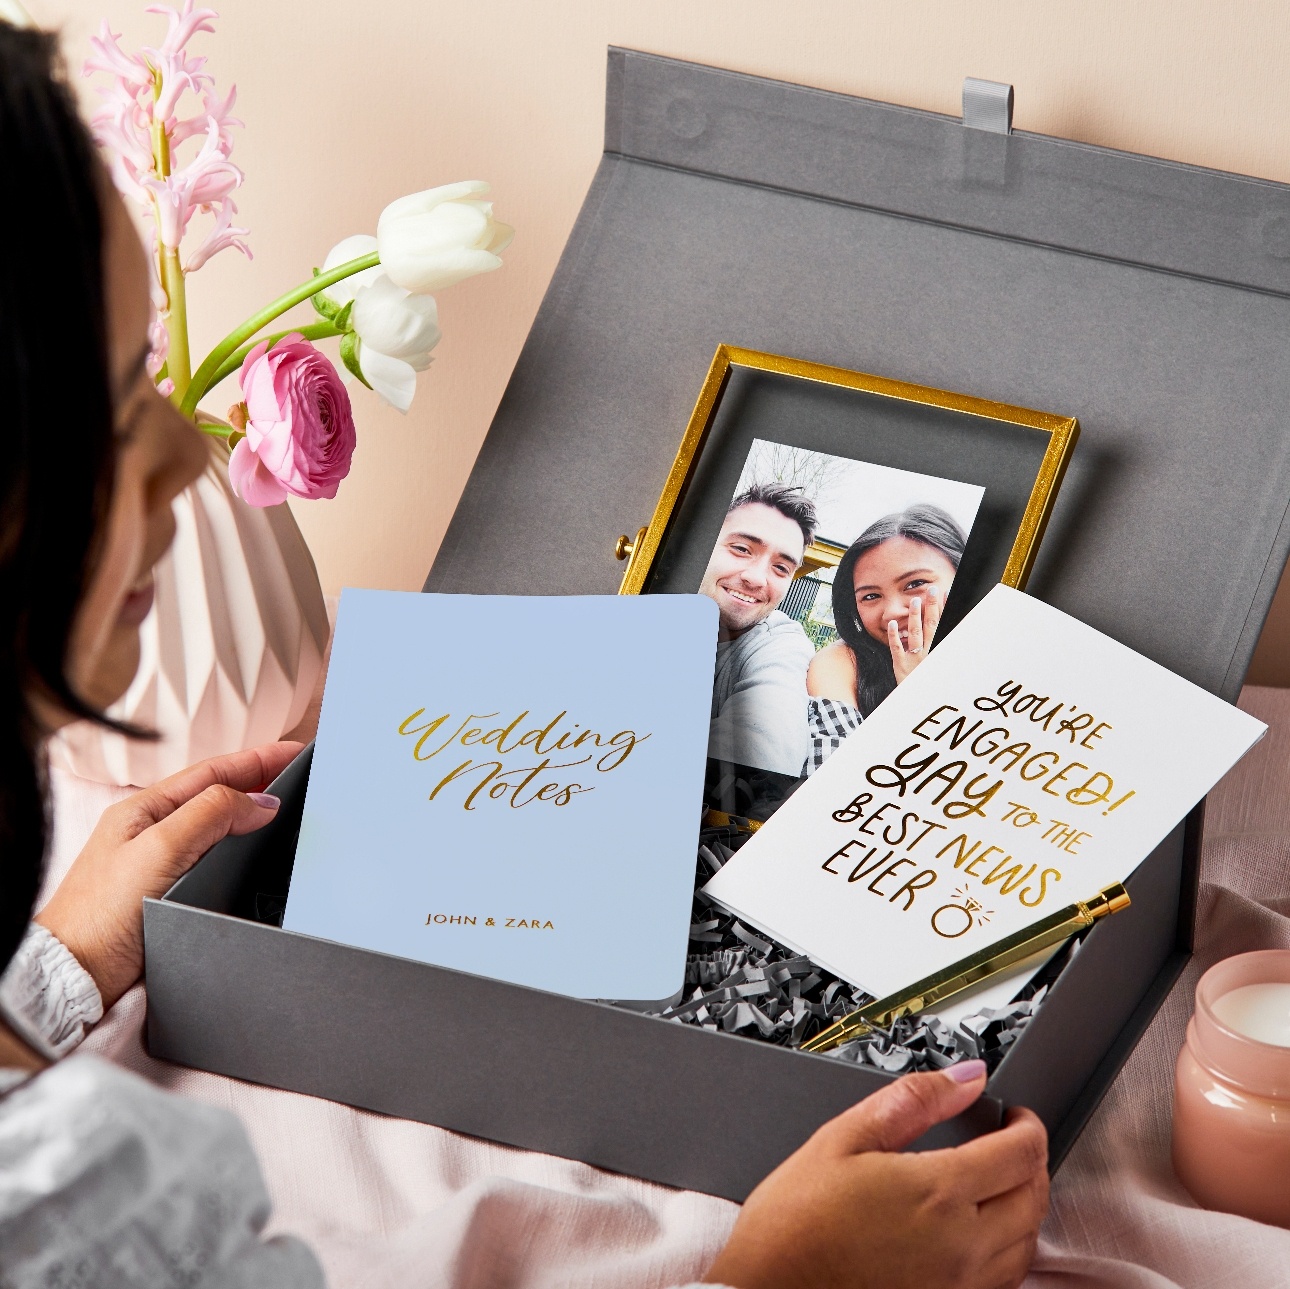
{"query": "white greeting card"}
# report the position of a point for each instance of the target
(1028, 762)
(511, 786)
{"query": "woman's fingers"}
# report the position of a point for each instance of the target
(894, 644)
(915, 628)
(179, 840)
(844, 1201)
(1016, 1215)
(143, 845)
(245, 771)
(922, 617)
(901, 1112)
(1000, 1162)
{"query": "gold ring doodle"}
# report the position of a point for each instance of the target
(952, 908)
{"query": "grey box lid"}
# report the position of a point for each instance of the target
(1149, 299)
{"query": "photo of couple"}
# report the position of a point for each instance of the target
(830, 576)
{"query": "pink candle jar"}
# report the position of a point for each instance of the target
(1231, 1140)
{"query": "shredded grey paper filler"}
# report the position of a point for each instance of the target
(739, 981)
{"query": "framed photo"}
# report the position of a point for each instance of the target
(843, 523)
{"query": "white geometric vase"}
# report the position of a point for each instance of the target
(231, 650)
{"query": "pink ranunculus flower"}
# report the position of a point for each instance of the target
(299, 425)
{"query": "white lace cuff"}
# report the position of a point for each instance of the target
(46, 994)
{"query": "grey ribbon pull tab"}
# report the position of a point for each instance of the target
(987, 105)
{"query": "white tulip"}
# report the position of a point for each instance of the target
(393, 379)
(351, 248)
(432, 239)
(396, 322)
(395, 329)
(396, 332)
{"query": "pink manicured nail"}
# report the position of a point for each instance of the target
(270, 802)
(966, 1071)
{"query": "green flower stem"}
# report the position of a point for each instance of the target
(311, 331)
(170, 271)
(178, 359)
(218, 430)
(211, 364)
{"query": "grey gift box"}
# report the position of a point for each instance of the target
(1149, 299)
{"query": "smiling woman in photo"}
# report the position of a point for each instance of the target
(888, 594)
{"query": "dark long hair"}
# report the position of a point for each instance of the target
(57, 455)
(875, 676)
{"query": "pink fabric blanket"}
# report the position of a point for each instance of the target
(1119, 1216)
(391, 1203)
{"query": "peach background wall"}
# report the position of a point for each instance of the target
(349, 104)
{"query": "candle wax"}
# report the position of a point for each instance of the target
(1260, 1012)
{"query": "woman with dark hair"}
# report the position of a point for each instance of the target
(104, 1179)
(888, 594)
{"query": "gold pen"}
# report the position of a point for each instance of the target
(882, 1013)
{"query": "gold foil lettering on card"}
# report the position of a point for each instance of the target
(967, 785)
(492, 779)
(466, 919)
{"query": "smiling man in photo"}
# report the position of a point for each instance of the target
(759, 698)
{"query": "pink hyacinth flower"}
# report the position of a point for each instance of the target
(145, 104)
(299, 425)
(147, 91)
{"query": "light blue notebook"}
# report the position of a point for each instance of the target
(511, 786)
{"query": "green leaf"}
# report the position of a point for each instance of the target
(341, 320)
(349, 356)
(325, 306)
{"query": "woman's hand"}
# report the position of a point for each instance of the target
(845, 1211)
(924, 618)
(143, 845)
